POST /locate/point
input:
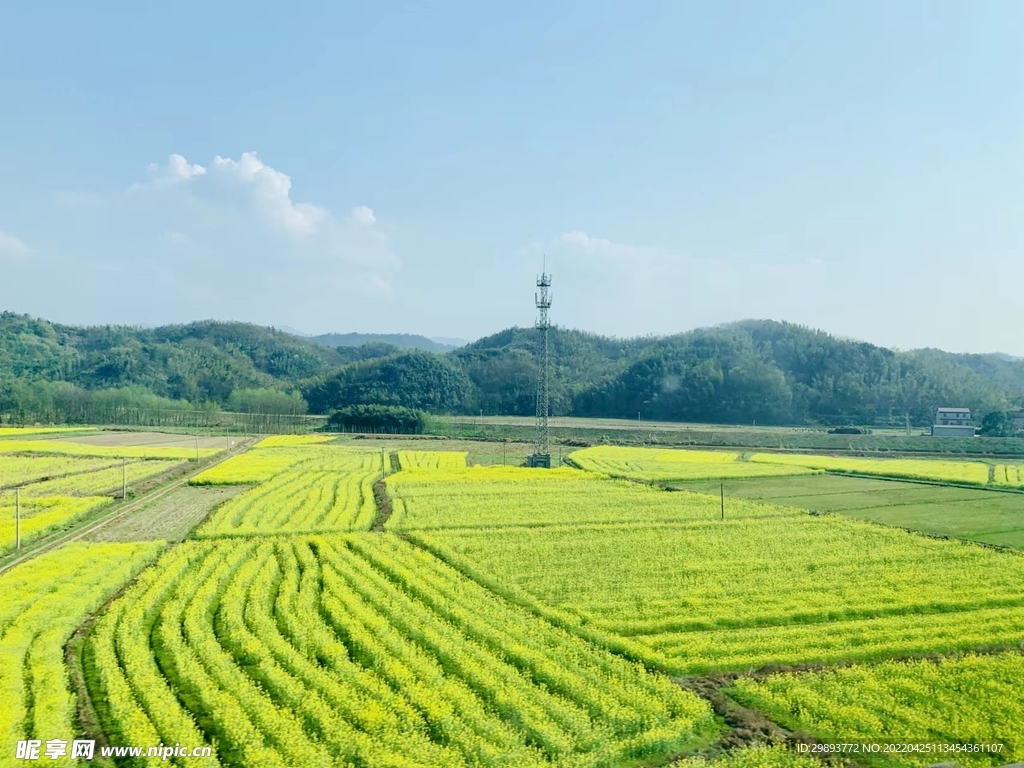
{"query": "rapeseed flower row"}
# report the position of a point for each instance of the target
(67, 448)
(364, 650)
(45, 599)
(972, 699)
(1009, 475)
(659, 465)
(445, 460)
(26, 431)
(330, 490)
(968, 472)
(17, 470)
(41, 515)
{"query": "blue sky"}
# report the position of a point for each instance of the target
(399, 167)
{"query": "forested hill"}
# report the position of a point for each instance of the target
(400, 340)
(204, 362)
(738, 373)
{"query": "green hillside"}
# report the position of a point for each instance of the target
(763, 371)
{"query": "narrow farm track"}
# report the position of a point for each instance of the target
(746, 726)
(119, 513)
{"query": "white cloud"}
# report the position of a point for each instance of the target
(231, 236)
(611, 253)
(361, 214)
(381, 287)
(272, 192)
(583, 240)
(177, 171)
(12, 247)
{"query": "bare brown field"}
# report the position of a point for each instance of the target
(152, 439)
(169, 518)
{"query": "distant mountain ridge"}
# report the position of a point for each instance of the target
(753, 370)
(400, 340)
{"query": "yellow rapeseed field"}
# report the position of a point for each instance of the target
(288, 441)
(65, 448)
(969, 472)
(411, 460)
(364, 650)
(659, 465)
(44, 600)
(968, 700)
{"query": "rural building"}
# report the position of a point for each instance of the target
(953, 417)
(952, 422)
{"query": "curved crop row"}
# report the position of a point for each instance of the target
(363, 650)
(331, 492)
(44, 601)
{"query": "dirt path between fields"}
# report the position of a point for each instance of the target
(381, 498)
(75, 656)
(113, 514)
(747, 726)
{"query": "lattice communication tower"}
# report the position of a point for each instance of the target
(541, 456)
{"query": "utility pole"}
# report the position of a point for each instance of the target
(124, 479)
(383, 463)
(638, 419)
(17, 518)
(721, 491)
(197, 447)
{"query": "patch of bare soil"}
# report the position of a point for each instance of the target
(384, 508)
(747, 726)
(170, 517)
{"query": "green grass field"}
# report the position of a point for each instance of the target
(992, 517)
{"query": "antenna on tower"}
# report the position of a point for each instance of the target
(541, 456)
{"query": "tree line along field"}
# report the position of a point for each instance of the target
(514, 617)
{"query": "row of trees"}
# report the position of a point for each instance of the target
(61, 402)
